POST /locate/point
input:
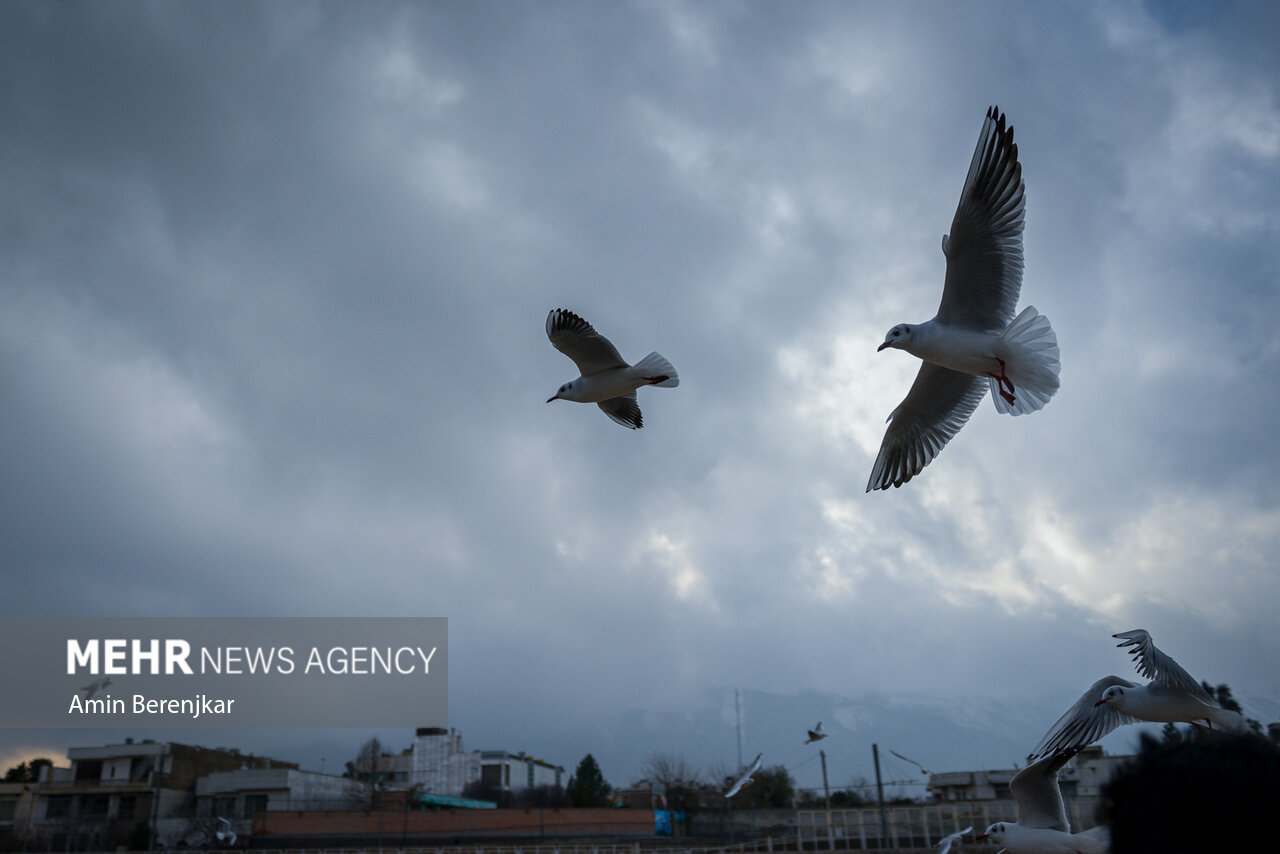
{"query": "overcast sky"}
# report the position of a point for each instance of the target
(274, 279)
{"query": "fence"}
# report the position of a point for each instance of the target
(910, 828)
(914, 826)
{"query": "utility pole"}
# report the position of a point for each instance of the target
(155, 800)
(737, 713)
(826, 790)
(884, 821)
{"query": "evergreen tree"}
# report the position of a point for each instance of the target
(587, 786)
(26, 772)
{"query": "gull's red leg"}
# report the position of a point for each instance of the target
(1002, 381)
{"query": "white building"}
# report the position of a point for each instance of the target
(513, 772)
(241, 793)
(1083, 777)
(442, 767)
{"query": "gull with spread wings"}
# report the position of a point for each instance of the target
(746, 776)
(974, 343)
(1042, 826)
(607, 380)
(1173, 695)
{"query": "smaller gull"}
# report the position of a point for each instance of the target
(225, 834)
(974, 342)
(1172, 696)
(1042, 826)
(746, 776)
(944, 844)
(607, 379)
(923, 770)
(816, 734)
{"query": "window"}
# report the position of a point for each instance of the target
(8, 808)
(224, 807)
(126, 806)
(253, 804)
(58, 806)
(91, 770)
(94, 806)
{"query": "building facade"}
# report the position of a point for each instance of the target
(439, 763)
(441, 766)
(128, 794)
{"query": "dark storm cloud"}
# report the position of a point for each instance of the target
(274, 278)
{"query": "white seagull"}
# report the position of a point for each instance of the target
(746, 776)
(1171, 696)
(923, 770)
(1042, 826)
(816, 734)
(225, 834)
(944, 844)
(974, 342)
(607, 380)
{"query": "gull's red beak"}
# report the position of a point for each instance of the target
(882, 346)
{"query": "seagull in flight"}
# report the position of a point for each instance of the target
(816, 734)
(225, 834)
(746, 776)
(944, 844)
(607, 379)
(974, 342)
(1171, 696)
(1042, 826)
(923, 770)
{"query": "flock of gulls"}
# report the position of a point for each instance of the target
(1172, 696)
(974, 344)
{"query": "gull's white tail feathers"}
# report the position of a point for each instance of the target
(1031, 363)
(1228, 721)
(653, 365)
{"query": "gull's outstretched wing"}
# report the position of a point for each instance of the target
(944, 844)
(624, 410)
(939, 403)
(578, 340)
(984, 248)
(1085, 722)
(1158, 667)
(1039, 797)
(746, 776)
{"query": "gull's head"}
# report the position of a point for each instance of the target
(1113, 695)
(898, 337)
(995, 832)
(565, 392)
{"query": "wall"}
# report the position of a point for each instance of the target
(454, 823)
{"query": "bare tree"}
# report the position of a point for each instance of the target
(669, 769)
(723, 773)
(677, 778)
(369, 773)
